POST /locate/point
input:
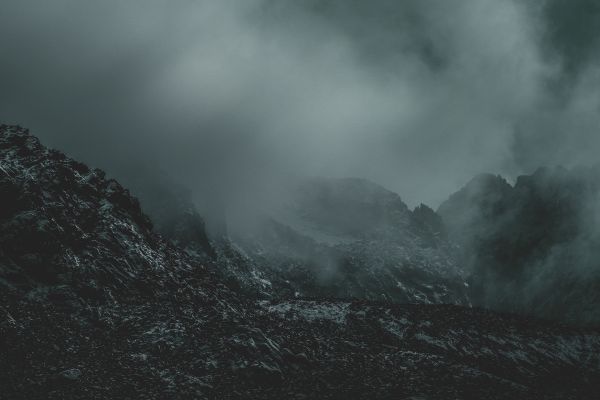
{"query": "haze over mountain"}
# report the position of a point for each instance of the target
(418, 96)
(300, 199)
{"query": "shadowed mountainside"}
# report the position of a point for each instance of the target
(94, 304)
(533, 247)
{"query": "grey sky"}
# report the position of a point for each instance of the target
(416, 95)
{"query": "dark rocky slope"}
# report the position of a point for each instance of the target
(95, 305)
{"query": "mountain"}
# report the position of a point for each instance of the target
(344, 238)
(353, 238)
(94, 304)
(532, 247)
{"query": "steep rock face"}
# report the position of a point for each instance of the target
(65, 224)
(171, 209)
(353, 238)
(532, 247)
(95, 305)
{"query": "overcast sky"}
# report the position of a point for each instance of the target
(417, 95)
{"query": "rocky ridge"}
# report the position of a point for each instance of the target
(95, 305)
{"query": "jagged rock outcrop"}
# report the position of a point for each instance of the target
(532, 247)
(95, 305)
(171, 209)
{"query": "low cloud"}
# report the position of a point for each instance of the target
(230, 96)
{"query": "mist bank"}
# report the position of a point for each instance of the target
(230, 95)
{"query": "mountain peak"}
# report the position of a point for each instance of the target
(62, 222)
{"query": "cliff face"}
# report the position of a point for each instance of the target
(532, 247)
(95, 305)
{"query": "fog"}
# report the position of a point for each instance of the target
(532, 247)
(230, 96)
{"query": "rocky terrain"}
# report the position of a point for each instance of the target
(94, 304)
